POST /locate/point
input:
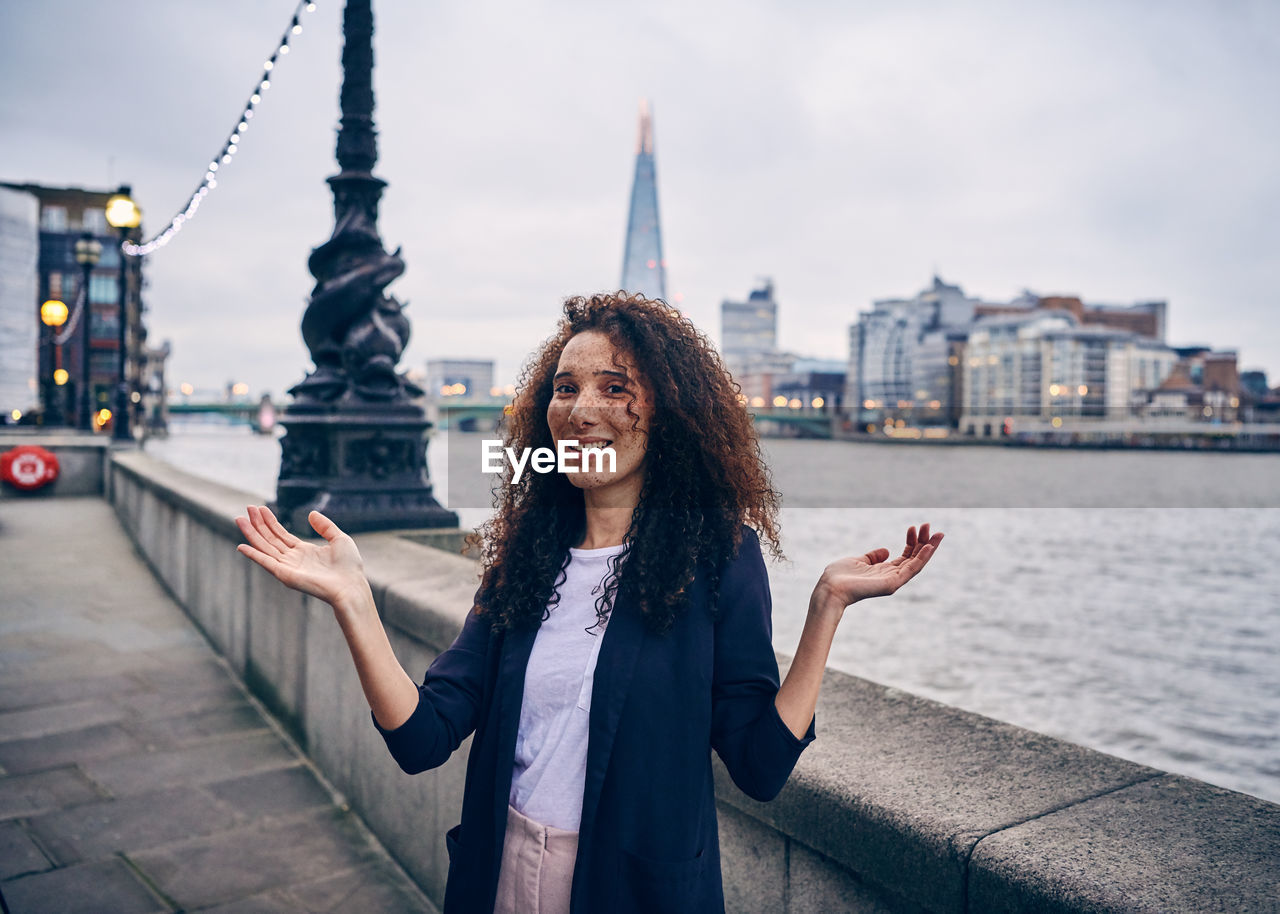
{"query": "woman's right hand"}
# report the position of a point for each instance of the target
(332, 571)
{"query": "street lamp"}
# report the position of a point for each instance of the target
(123, 214)
(88, 253)
(53, 314)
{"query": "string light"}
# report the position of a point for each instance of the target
(229, 148)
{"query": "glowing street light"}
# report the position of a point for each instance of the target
(53, 313)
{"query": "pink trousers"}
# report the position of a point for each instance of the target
(537, 867)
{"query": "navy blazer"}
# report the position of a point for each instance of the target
(648, 841)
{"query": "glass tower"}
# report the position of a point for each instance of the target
(643, 269)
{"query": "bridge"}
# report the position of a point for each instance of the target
(242, 413)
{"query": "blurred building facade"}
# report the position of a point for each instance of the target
(464, 379)
(749, 329)
(20, 327)
(1044, 365)
(65, 215)
(943, 358)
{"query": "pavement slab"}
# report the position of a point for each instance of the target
(25, 693)
(272, 793)
(136, 773)
(144, 770)
(44, 752)
(18, 853)
(95, 888)
(245, 861)
(130, 823)
(45, 791)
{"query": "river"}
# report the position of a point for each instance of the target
(1125, 601)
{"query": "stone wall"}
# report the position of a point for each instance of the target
(81, 461)
(901, 804)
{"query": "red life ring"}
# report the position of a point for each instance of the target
(28, 467)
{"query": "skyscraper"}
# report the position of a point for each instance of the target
(643, 269)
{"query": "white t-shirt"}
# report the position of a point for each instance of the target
(551, 745)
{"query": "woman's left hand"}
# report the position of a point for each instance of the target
(853, 578)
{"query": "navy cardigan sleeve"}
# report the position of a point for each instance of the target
(449, 702)
(757, 747)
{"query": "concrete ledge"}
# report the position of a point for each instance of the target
(81, 461)
(902, 804)
(1167, 844)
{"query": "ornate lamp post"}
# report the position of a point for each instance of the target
(357, 442)
(123, 214)
(88, 253)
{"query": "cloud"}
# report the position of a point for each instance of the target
(845, 150)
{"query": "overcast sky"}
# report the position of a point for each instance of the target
(1120, 151)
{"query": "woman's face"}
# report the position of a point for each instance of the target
(594, 384)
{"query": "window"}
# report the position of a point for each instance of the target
(53, 218)
(104, 325)
(110, 255)
(104, 363)
(95, 220)
(103, 290)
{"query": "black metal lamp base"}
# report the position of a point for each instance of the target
(365, 470)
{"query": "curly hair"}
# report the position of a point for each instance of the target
(704, 474)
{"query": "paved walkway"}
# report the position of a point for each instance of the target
(135, 773)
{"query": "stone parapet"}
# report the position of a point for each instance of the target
(82, 461)
(901, 804)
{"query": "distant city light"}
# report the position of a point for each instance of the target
(757, 402)
(60, 376)
(1082, 389)
(135, 397)
(1057, 422)
(240, 389)
(817, 402)
(16, 415)
(795, 403)
(779, 401)
(187, 389)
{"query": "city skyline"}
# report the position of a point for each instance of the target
(1097, 151)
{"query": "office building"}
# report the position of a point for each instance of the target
(65, 215)
(463, 379)
(20, 326)
(643, 268)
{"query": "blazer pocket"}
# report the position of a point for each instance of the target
(663, 886)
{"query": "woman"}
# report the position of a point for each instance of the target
(621, 630)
